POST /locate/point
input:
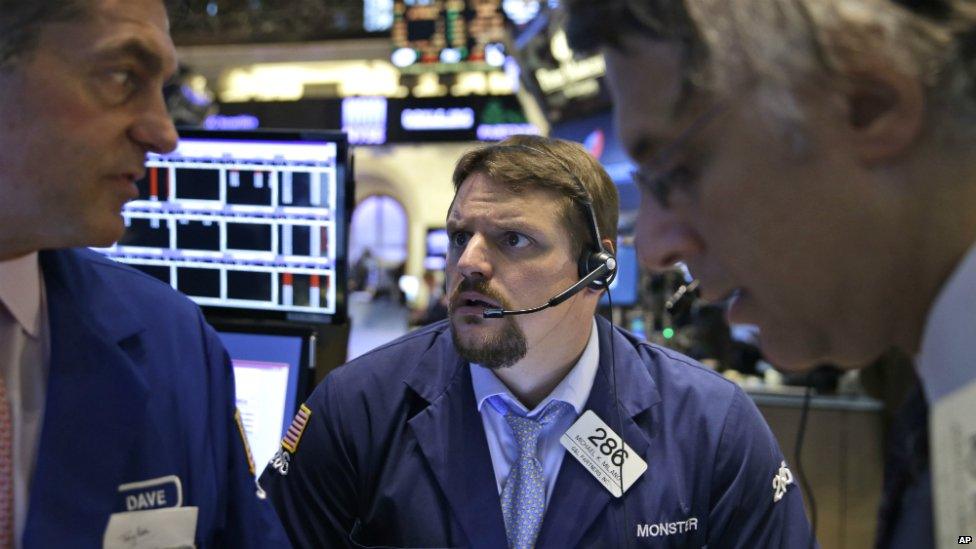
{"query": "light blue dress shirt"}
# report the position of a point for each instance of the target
(574, 389)
(945, 362)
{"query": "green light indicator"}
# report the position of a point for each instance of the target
(668, 333)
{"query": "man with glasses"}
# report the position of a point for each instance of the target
(811, 161)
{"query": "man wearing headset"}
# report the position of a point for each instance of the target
(453, 436)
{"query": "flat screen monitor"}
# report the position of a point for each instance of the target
(623, 289)
(247, 224)
(272, 372)
(437, 245)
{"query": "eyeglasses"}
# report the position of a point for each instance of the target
(661, 184)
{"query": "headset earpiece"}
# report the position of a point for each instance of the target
(591, 261)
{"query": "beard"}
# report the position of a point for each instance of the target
(500, 349)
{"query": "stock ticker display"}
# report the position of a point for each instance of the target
(242, 223)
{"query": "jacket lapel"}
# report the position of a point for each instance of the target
(95, 402)
(451, 437)
(578, 498)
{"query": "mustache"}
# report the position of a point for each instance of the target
(480, 286)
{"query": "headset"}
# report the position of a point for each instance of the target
(597, 265)
(597, 268)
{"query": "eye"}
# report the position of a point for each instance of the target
(662, 184)
(459, 239)
(123, 78)
(118, 84)
(515, 240)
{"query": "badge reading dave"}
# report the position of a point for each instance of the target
(295, 430)
(156, 493)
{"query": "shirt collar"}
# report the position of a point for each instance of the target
(948, 344)
(574, 389)
(20, 291)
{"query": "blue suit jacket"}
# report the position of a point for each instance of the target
(394, 454)
(905, 515)
(139, 388)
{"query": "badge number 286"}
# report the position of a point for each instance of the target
(602, 452)
(609, 447)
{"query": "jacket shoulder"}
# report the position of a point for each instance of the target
(671, 368)
(683, 382)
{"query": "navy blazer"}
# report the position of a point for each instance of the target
(139, 389)
(393, 454)
(905, 514)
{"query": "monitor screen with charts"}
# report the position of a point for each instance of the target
(246, 224)
(272, 371)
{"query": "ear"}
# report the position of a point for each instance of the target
(885, 112)
(609, 246)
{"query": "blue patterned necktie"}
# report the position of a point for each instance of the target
(524, 493)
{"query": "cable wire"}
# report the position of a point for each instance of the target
(800, 433)
(620, 422)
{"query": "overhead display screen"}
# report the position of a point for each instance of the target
(448, 34)
(252, 222)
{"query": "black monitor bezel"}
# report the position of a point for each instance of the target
(308, 335)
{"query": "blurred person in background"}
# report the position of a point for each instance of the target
(432, 300)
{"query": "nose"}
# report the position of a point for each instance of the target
(473, 263)
(663, 237)
(153, 129)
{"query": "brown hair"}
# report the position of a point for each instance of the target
(535, 162)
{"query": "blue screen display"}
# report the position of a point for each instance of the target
(623, 289)
(266, 372)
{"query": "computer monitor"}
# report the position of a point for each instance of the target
(247, 224)
(623, 289)
(273, 368)
(438, 243)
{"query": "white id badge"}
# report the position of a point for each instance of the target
(594, 444)
(952, 426)
(173, 527)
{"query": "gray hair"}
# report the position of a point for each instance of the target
(21, 22)
(782, 44)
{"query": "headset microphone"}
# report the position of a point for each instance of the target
(608, 266)
(597, 268)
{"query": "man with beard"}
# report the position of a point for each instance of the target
(811, 161)
(453, 436)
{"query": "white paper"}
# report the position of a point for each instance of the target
(155, 529)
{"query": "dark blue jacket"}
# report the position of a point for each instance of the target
(139, 388)
(905, 515)
(394, 454)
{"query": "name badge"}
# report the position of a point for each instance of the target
(171, 528)
(604, 454)
(156, 493)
